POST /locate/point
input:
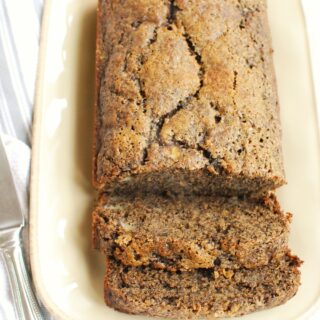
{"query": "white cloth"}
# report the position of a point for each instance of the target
(18, 154)
(19, 43)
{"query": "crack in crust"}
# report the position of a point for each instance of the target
(171, 19)
(173, 9)
(146, 126)
(182, 104)
(214, 162)
(198, 58)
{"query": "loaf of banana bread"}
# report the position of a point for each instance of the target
(186, 98)
(217, 292)
(184, 233)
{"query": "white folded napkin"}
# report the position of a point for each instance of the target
(19, 43)
(18, 154)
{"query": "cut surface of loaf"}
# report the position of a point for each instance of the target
(186, 98)
(184, 233)
(217, 292)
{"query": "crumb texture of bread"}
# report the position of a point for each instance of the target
(190, 232)
(187, 98)
(216, 292)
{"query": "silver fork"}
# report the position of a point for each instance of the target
(11, 224)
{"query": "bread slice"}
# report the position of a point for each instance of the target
(217, 292)
(184, 233)
(186, 98)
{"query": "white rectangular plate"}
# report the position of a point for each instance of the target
(68, 275)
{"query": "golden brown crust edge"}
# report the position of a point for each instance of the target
(113, 297)
(98, 67)
(95, 237)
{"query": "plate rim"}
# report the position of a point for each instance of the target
(41, 292)
(38, 284)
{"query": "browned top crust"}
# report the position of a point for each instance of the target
(186, 84)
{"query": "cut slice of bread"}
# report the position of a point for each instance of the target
(190, 232)
(217, 291)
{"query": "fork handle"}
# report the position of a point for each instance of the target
(25, 303)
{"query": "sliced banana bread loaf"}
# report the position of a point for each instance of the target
(217, 292)
(186, 98)
(190, 232)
